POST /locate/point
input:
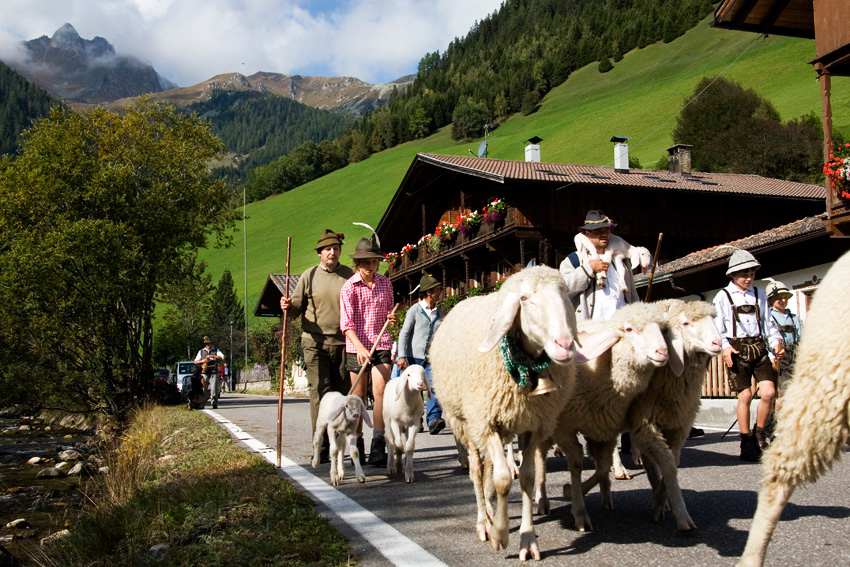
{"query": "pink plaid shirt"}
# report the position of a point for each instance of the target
(364, 310)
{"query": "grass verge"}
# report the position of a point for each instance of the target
(177, 479)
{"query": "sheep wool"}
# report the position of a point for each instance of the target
(813, 422)
(484, 406)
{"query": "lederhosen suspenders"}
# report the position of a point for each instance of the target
(735, 311)
(792, 328)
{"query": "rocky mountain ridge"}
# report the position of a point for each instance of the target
(348, 95)
(85, 71)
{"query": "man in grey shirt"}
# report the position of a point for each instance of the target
(414, 340)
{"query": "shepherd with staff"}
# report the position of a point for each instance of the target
(365, 306)
(316, 301)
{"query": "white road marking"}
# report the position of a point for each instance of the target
(391, 543)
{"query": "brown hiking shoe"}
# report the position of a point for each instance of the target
(750, 450)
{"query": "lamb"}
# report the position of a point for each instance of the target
(635, 346)
(660, 418)
(617, 250)
(403, 408)
(533, 319)
(813, 422)
(340, 415)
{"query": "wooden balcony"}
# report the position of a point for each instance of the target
(422, 259)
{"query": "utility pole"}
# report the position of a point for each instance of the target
(230, 376)
(245, 268)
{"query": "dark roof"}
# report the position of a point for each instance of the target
(269, 303)
(499, 170)
(803, 229)
(793, 18)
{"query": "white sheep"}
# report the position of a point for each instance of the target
(485, 407)
(660, 418)
(403, 408)
(340, 415)
(813, 424)
(617, 251)
(634, 344)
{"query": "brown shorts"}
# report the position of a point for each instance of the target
(742, 371)
(378, 357)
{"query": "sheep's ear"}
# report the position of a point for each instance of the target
(501, 323)
(335, 413)
(399, 390)
(596, 344)
(675, 351)
(364, 415)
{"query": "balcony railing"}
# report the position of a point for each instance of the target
(421, 257)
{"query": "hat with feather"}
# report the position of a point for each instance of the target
(367, 248)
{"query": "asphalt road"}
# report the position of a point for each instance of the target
(437, 511)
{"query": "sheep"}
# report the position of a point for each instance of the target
(340, 415)
(635, 346)
(403, 408)
(813, 424)
(616, 251)
(485, 407)
(661, 417)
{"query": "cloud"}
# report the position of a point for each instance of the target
(189, 41)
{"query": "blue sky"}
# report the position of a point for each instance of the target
(189, 41)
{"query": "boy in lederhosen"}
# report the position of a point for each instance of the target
(790, 328)
(750, 341)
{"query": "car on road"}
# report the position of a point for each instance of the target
(181, 375)
(161, 374)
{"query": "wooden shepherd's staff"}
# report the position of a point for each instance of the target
(282, 354)
(371, 352)
(654, 263)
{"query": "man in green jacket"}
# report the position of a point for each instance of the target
(316, 301)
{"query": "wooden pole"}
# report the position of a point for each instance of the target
(654, 263)
(371, 352)
(282, 354)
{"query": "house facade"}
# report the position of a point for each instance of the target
(546, 202)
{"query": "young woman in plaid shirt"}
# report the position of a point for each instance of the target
(365, 304)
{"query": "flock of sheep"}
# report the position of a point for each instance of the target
(642, 372)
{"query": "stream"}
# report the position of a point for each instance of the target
(46, 505)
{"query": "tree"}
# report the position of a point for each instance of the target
(469, 119)
(84, 251)
(735, 130)
(224, 307)
(188, 298)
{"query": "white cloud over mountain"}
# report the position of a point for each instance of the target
(189, 41)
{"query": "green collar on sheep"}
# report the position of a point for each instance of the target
(520, 366)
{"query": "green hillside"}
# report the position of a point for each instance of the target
(638, 98)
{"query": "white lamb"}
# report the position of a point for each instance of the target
(605, 387)
(813, 422)
(485, 406)
(617, 251)
(660, 418)
(403, 408)
(340, 415)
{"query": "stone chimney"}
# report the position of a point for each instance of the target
(621, 154)
(679, 159)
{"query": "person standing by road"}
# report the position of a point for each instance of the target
(594, 303)
(208, 359)
(789, 326)
(365, 304)
(744, 323)
(316, 301)
(414, 340)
